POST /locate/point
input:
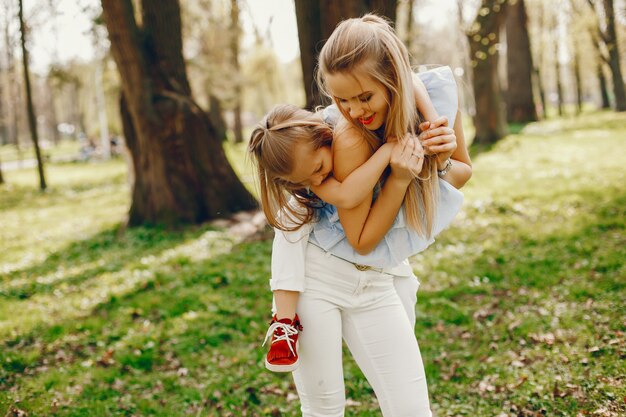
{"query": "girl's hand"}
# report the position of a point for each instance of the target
(407, 158)
(438, 139)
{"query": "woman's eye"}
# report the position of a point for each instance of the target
(365, 99)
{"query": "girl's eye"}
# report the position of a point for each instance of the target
(342, 101)
(365, 99)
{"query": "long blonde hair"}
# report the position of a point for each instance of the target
(271, 146)
(371, 43)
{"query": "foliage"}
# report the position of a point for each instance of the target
(520, 311)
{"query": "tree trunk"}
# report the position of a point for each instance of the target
(13, 90)
(604, 94)
(578, 80)
(103, 121)
(235, 31)
(559, 87)
(316, 21)
(4, 128)
(181, 174)
(54, 121)
(410, 28)
(520, 103)
(541, 89)
(32, 120)
(216, 117)
(595, 35)
(489, 119)
(614, 61)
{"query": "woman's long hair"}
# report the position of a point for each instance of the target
(369, 44)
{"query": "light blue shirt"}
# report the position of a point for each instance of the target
(400, 242)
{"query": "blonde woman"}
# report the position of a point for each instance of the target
(364, 68)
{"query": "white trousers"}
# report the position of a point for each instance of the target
(363, 307)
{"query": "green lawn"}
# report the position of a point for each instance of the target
(521, 310)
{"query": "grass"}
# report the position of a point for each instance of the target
(65, 149)
(520, 312)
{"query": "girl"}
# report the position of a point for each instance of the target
(362, 66)
(288, 135)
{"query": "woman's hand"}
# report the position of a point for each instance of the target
(407, 158)
(438, 139)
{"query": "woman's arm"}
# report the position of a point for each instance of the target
(358, 185)
(366, 225)
(436, 141)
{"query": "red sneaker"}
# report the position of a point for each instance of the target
(283, 353)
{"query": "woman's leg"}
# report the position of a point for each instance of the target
(319, 378)
(407, 287)
(383, 344)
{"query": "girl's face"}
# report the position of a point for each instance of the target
(362, 97)
(312, 166)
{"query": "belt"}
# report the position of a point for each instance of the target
(360, 267)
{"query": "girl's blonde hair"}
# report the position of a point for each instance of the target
(272, 148)
(370, 44)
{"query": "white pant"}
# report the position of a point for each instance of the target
(364, 308)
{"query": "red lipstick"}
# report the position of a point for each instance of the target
(367, 120)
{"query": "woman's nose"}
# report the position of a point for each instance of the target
(356, 110)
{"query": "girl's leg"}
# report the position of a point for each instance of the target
(407, 287)
(319, 378)
(286, 303)
(383, 344)
(288, 255)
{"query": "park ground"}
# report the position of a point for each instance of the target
(520, 313)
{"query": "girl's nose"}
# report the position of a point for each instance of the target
(317, 180)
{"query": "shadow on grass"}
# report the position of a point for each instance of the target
(224, 290)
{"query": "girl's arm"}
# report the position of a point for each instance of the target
(454, 149)
(366, 224)
(422, 100)
(358, 185)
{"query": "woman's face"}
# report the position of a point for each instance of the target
(311, 166)
(362, 97)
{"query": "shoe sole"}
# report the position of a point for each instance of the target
(283, 368)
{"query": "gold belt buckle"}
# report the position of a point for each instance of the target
(362, 267)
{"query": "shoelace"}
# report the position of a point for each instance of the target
(288, 331)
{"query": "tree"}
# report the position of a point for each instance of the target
(209, 69)
(4, 128)
(557, 65)
(601, 60)
(578, 79)
(235, 31)
(181, 174)
(484, 37)
(32, 120)
(316, 21)
(520, 104)
(12, 92)
(608, 36)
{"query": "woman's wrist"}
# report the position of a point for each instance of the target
(444, 167)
